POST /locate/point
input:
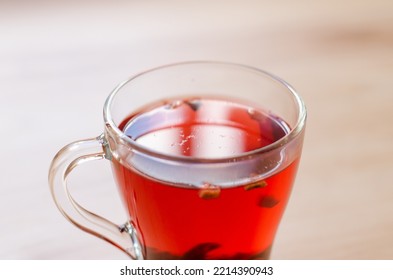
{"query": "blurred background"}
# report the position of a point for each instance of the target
(60, 59)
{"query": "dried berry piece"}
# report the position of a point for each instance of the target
(267, 201)
(200, 251)
(154, 254)
(263, 255)
(255, 185)
(209, 191)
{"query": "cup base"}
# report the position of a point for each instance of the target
(205, 251)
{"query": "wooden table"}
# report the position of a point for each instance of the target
(59, 61)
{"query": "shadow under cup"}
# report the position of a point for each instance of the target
(173, 136)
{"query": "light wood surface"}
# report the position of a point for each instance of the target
(59, 61)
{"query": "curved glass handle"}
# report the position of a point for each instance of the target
(123, 236)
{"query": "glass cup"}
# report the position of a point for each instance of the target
(204, 155)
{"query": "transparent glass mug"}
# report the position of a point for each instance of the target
(204, 155)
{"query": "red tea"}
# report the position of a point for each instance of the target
(203, 219)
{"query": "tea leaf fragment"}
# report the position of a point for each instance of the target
(209, 191)
(255, 185)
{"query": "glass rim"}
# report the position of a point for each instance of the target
(293, 132)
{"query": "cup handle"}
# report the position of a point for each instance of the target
(123, 236)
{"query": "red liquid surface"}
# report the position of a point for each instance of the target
(206, 221)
